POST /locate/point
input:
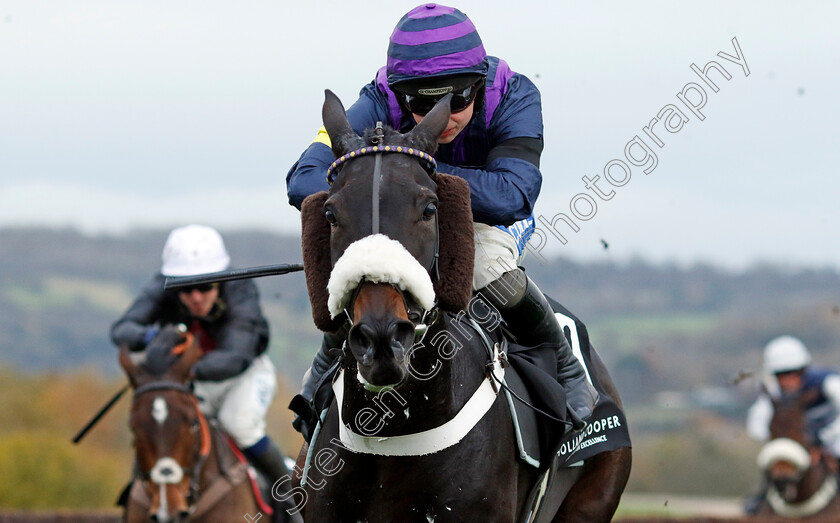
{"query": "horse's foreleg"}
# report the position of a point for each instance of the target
(595, 495)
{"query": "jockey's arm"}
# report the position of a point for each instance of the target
(243, 337)
(831, 390)
(502, 193)
(758, 418)
(505, 189)
(309, 174)
(137, 324)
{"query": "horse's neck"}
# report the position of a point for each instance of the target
(220, 458)
(447, 368)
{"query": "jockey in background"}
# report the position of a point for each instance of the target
(787, 371)
(234, 380)
(493, 140)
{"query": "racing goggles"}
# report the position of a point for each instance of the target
(202, 288)
(425, 99)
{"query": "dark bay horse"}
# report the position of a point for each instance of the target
(801, 476)
(417, 432)
(187, 469)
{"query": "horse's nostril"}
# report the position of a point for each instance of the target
(360, 342)
(402, 335)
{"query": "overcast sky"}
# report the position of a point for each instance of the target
(117, 114)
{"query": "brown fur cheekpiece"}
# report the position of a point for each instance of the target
(456, 261)
(315, 244)
(457, 245)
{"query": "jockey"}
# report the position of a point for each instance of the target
(234, 379)
(788, 370)
(493, 140)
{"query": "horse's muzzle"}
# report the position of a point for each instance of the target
(380, 350)
(182, 516)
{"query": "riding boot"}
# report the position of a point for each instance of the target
(531, 319)
(303, 404)
(268, 460)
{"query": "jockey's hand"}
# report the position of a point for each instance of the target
(159, 353)
(151, 332)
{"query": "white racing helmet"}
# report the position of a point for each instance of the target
(194, 249)
(784, 354)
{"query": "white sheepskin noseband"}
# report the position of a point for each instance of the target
(784, 449)
(379, 259)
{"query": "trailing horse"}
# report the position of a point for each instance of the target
(419, 430)
(801, 477)
(186, 468)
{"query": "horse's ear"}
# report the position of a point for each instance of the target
(342, 136)
(425, 135)
(128, 365)
(189, 351)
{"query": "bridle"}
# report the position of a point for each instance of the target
(421, 318)
(204, 449)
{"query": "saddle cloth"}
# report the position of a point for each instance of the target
(538, 437)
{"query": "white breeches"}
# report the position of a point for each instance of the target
(240, 403)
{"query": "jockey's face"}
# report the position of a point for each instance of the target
(790, 381)
(198, 300)
(457, 122)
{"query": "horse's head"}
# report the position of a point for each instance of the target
(171, 436)
(791, 451)
(382, 212)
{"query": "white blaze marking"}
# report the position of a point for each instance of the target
(159, 410)
(162, 513)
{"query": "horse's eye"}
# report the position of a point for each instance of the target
(430, 211)
(330, 216)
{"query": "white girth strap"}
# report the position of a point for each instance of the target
(429, 441)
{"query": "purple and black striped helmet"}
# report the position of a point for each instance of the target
(433, 41)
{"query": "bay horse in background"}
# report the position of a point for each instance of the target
(397, 444)
(186, 469)
(801, 476)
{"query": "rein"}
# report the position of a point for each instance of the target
(206, 442)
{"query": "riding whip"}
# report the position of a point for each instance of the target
(176, 282)
(98, 416)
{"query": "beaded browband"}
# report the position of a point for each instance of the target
(402, 149)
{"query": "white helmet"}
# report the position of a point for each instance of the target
(784, 354)
(194, 249)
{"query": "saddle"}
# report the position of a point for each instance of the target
(540, 442)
